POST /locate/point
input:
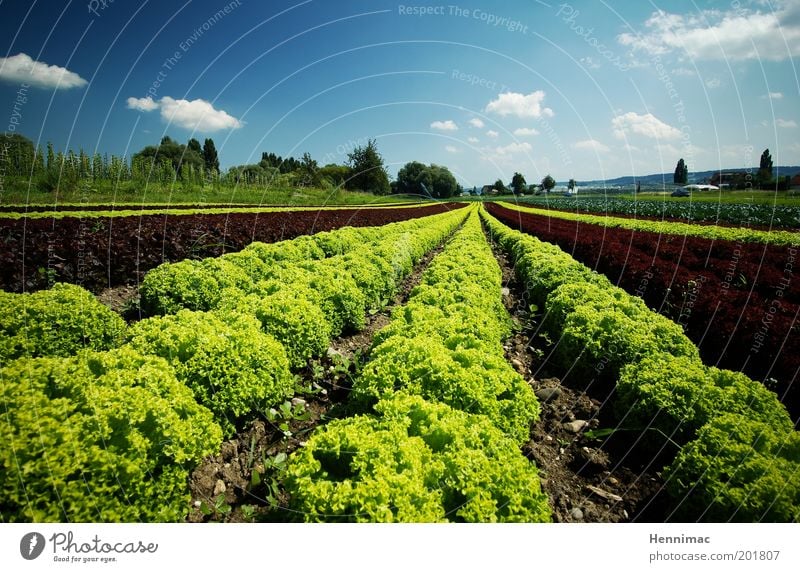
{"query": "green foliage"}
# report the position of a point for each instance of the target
(678, 395)
(681, 176)
(368, 172)
(101, 437)
(175, 286)
(415, 462)
(607, 327)
(743, 464)
(232, 367)
(471, 379)
(518, 184)
(450, 324)
(56, 322)
(290, 316)
(738, 469)
(548, 183)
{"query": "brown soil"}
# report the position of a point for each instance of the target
(121, 299)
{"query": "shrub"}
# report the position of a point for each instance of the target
(105, 437)
(415, 462)
(56, 322)
(232, 367)
(738, 469)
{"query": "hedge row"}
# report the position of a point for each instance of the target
(101, 436)
(739, 459)
(442, 442)
(713, 232)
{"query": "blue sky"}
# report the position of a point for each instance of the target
(587, 89)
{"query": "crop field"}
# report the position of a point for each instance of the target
(735, 298)
(762, 213)
(442, 363)
(102, 249)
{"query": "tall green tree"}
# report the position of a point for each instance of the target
(681, 176)
(518, 184)
(368, 171)
(194, 145)
(210, 157)
(572, 184)
(765, 167)
(499, 186)
(548, 183)
(411, 177)
(443, 183)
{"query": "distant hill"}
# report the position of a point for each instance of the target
(695, 177)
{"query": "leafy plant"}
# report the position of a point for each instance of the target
(99, 437)
(56, 322)
(415, 462)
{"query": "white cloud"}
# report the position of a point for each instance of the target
(591, 145)
(774, 95)
(492, 134)
(197, 115)
(450, 149)
(588, 62)
(786, 123)
(713, 83)
(506, 154)
(519, 105)
(736, 34)
(476, 122)
(142, 104)
(648, 125)
(686, 72)
(448, 125)
(473, 140)
(23, 69)
(525, 132)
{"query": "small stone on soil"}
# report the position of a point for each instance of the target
(576, 426)
(219, 487)
(576, 514)
(547, 393)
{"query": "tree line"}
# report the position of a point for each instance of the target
(763, 178)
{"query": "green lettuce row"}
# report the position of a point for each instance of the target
(414, 461)
(738, 469)
(197, 284)
(99, 437)
(56, 322)
(662, 384)
(713, 232)
(305, 304)
(445, 344)
(237, 358)
(420, 458)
